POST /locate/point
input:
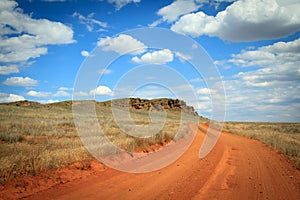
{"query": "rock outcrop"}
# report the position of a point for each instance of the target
(160, 104)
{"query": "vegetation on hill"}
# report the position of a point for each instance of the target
(36, 137)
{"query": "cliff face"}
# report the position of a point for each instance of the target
(153, 104)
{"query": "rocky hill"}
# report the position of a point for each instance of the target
(161, 104)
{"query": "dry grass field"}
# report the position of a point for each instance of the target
(284, 137)
(36, 137)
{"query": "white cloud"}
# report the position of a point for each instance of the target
(44, 97)
(90, 23)
(155, 57)
(194, 46)
(183, 57)
(120, 3)
(204, 98)
(196, 80)
(85, 53)
(177, 8)
(245, 103)
(267, 93)
(61, 93)
(195, 24)
(271, 76)
(122, 44)
(279, 64)
(105, 71)
(80, 94)
(20, 49)
(148, 92)
(248, 103)
(215, 3)
(278, 53)
(205, 91)
(155, 23)
(101, 91)
(248, 20)
(20, 81)
(7, 5)
(65, 88)
(10, 97)
(48, 101)
(171, 12)
(33, 93)
(8, 69)
(31, 36)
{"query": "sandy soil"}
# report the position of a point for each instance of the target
(237, 168)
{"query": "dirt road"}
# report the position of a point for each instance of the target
(237, 168)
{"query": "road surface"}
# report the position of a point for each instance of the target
(237, 168)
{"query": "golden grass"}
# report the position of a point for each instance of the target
(285, 137)
(40, 137)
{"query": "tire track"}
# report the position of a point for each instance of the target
(237, 168)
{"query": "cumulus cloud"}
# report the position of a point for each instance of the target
(33, 93)
(279, 62)
(85, 53)
(248, 20)
(4, 97)
(267, 93)
(203, 91)
(61, 92)
(20, 81)
(23, 38)
(171, 12)
(90, 23)
(204, 96)
(101, 91)
(177, 8)
(122, 44)
(276, 54)
(8, 69)
(248, 103)
(121, 3)
(271, 76)
(155, 57)
(245, 103)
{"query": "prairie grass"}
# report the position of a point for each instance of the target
(284, 137)
(38, 137)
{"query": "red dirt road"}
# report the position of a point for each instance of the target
(237, 168)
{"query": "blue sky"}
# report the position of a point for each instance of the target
(253, 44)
